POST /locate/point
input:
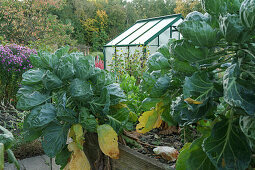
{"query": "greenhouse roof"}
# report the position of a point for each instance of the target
(145, 30)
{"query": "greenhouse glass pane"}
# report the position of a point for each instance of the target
(109, 53)
(138, 32)
(164, 37)
(175, 35)
(153, 31)
(154, 42)
(125, 34)
(178, 22)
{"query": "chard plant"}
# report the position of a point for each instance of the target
(207, 79)
(66, 96)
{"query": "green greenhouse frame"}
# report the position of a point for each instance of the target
(149, 33)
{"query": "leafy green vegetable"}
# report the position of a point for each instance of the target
(54, 139)
(199, 32)
(247, 13)
(66, 90)
(227, 146)
(235, 92)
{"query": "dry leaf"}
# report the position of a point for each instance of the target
(108, 141)
(168, 153)
(78, 160)
(192, 101)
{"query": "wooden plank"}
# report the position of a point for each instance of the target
(132, 160)
(129, 159)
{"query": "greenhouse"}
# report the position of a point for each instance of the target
(144, 37)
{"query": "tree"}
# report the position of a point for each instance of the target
(28, 22)
(186, 6)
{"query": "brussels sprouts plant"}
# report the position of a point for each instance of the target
(67, 96)
(207, 79)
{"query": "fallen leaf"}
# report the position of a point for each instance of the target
(168, 153)
(108, 141)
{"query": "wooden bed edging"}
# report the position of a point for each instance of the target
(129, 159)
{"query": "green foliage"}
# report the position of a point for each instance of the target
(6, 142)
(211, 79)
(30, 23)
(67, 89)
(131, 64)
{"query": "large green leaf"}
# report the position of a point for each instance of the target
(192, 157)
(164, 50)
(157, 61)
(81, 89)
(236, 92)
(112, 95)
(33, 76)
(51, 81)
(196, 16)
(119, 117)
(54, 139)
(182, 113)
(199, 32)
(160, 87)
(87, 120)
(232, 29)
(227, 146)
(183, 67)
(28, 101)
(63, 157)
(67, 115)
(99, 79)
(41, 116)
(65, 70)
(185, 51)
(148, 103)
(183, 157)
(200, 88)
(217, 7)
(62, 51)
(247, 124)
(85, 67)
(247, 14)
(6, 138)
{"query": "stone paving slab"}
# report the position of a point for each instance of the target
(34, 163)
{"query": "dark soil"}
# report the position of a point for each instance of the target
(148, 141)
(12, 119)
(27, 150)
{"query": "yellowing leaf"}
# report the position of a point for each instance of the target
(78, 160)
(148, 121)
(76, 132)
(108, 141)
(191, 101)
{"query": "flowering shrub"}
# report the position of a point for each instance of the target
(99, 63)
(14, 61)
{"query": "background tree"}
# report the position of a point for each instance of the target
(186, 6)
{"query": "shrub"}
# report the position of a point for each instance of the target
(14, 60)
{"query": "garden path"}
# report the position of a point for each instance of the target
(34, 163)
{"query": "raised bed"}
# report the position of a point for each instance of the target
(129, 159)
